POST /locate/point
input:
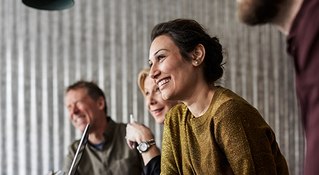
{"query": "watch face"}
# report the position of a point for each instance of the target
(143, 146)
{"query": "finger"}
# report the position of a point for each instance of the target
(130, 144)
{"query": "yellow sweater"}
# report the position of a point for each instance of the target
(230, 138)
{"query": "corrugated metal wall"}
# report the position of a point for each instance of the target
(42, 52)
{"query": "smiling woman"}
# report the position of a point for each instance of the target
(156, 105)
(215, 131)
(139, 133)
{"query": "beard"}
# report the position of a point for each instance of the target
(253, 12)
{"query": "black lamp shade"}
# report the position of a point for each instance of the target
(49, 4)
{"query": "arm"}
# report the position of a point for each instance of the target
(168, 161)
(68, 161)
(136, 132)
(153, 167)
(247, 141)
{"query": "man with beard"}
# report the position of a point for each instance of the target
(299, 21)
(106, 151)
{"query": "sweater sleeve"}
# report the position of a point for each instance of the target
(247, 140)
(168, 161)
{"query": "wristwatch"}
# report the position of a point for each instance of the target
(143, 146)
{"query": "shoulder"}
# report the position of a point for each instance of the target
(227, 104)
(227, 98)
(176, 113)
(223, 95)
(119, 125)
(179, 108)
(116, 125)
(73, 146)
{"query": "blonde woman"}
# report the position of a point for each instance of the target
(140, 134)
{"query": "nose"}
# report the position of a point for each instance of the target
(154, 72)
(151, 100)
(74, 109)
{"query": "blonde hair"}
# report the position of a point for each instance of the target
(141, 79)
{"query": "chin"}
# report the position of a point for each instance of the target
(81, 127)
(160, 120)
(166, 94)
(247, 15)
(251, 19)
(164, 97)
(260, 12)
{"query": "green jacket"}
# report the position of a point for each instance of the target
(115, 158)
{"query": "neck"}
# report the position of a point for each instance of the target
(286, 16)
(200, 100)
(96, 134)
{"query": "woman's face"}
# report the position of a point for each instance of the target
(157, 106)
(174, 75)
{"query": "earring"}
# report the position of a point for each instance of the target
(196, 62)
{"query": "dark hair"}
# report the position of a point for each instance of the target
(187, 34)
(92, 89)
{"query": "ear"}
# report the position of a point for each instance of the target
(198, 55)
(101, 103)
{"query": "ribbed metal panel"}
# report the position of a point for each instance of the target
(42, 52)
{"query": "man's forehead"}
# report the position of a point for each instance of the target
(76, 94)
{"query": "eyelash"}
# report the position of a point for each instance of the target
(157, 90)
(159, 58)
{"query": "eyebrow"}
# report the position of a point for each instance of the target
(159, 51)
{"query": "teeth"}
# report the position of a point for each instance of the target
(162, 82)
(79, 119)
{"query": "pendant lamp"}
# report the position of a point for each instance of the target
(49, 4)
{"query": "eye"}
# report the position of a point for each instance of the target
(71, 107)
(147, 93)
(158, 90)
(150, 63)
(160, 57)
(79, 104)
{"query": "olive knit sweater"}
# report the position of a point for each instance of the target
(230, 138)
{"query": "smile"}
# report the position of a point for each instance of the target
(163, 82)
(157, 111)
(79, 119)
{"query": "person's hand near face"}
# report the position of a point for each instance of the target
(157, 106)
(136, 133)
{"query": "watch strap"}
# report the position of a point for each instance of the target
(151, 142)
